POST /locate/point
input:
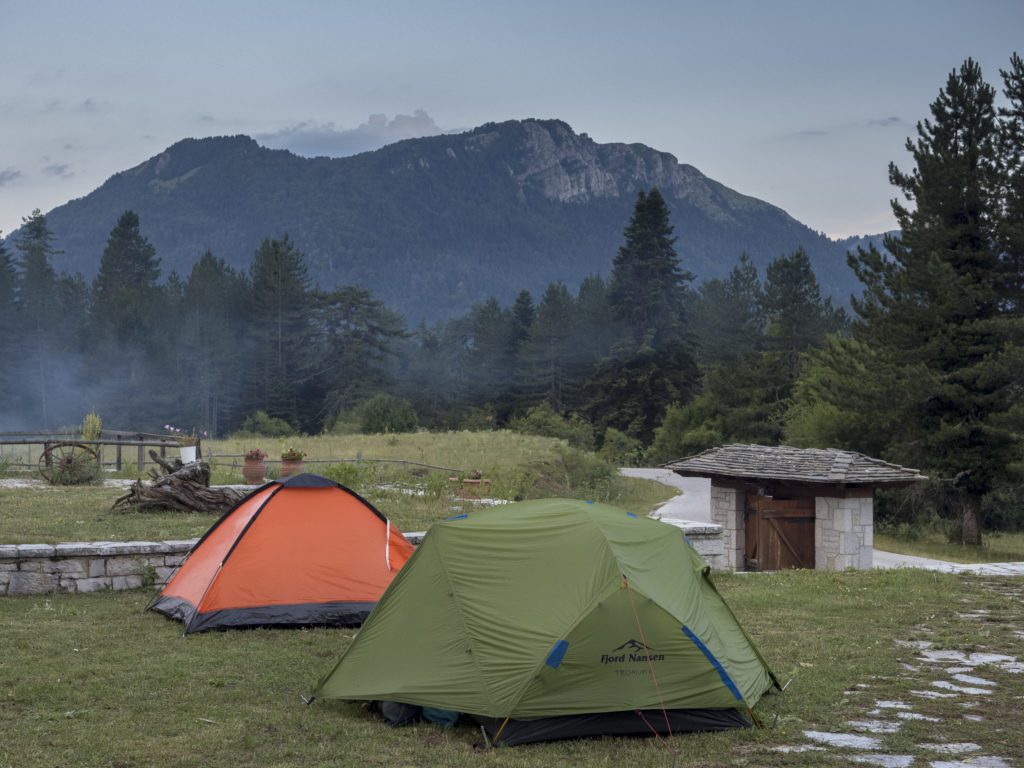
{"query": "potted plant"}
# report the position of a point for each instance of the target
(292, 462)
(188, 442)
(187, 446)
(254, 467)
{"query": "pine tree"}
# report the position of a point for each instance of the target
(797, 319)
(284, 363)
(939, 304)
(8, 325)
(545, 368)
(125, 300)
(356, 335)
(727, 316)
(488, 359)
(651, 367)
(647, 286)
(213, 297)
(40, 312)
(594, 333)
(1011, 225)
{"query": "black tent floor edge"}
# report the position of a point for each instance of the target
(335, 614)
(626, 723)
(173, 607)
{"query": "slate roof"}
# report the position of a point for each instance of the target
(801, 465)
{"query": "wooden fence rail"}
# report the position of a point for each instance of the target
(120, 442)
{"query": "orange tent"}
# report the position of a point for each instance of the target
(304, 550)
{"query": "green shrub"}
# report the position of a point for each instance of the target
(620, 449)
(478, 419)
(544, 421)
(681, 433)
(436, 485)
(261, 423)
(573, 473)
(385, 414)
(1003, 510)
(348, 473)
(92, 427)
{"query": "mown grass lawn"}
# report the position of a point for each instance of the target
(995, 547)
(91, 680)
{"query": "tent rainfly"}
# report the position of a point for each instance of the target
(304, 550)
(557, 619)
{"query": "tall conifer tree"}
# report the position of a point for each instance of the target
(938, 305)
(651, 366)
(126, 300)
(215, 342)
(40, 312)
(281, 328)
(8, 324)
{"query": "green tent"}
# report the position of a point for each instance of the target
(556, 618)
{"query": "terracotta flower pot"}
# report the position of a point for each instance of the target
(254, 470)
(291, 467)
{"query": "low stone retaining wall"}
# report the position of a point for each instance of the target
(87, 566)
(708, 540)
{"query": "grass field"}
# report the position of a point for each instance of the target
(520, 466)
(995, 548)
(91, 680)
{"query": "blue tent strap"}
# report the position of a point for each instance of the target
(557, 653)
(715, 663)
(457, 517)
(630, 514)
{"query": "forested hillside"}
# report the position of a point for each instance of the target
(432, 225)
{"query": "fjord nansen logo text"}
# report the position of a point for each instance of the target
(631, 650)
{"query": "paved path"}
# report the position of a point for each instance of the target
(694, 503)
(894, 560)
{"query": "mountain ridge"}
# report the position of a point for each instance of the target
(433, 224)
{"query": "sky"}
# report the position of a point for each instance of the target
(801, 104)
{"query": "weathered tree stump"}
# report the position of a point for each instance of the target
(184, 487)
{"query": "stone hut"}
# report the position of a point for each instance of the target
(783, 507)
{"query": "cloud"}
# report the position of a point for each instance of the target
(812, 133)
(8, 174)
(885, 122)
(311, 139)
(61, 170)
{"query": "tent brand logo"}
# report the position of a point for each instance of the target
(631, 650)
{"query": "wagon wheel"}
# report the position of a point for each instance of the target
(69, 463)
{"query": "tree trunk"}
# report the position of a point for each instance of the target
(184, 487)
(969, 515)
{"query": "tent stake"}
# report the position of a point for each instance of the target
(487, 741)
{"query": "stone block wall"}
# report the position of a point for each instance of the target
(727, 511)
(90, 566)
(87, 566)
(844, 533)
(709, 542)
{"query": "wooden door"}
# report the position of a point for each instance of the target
(780, 533)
